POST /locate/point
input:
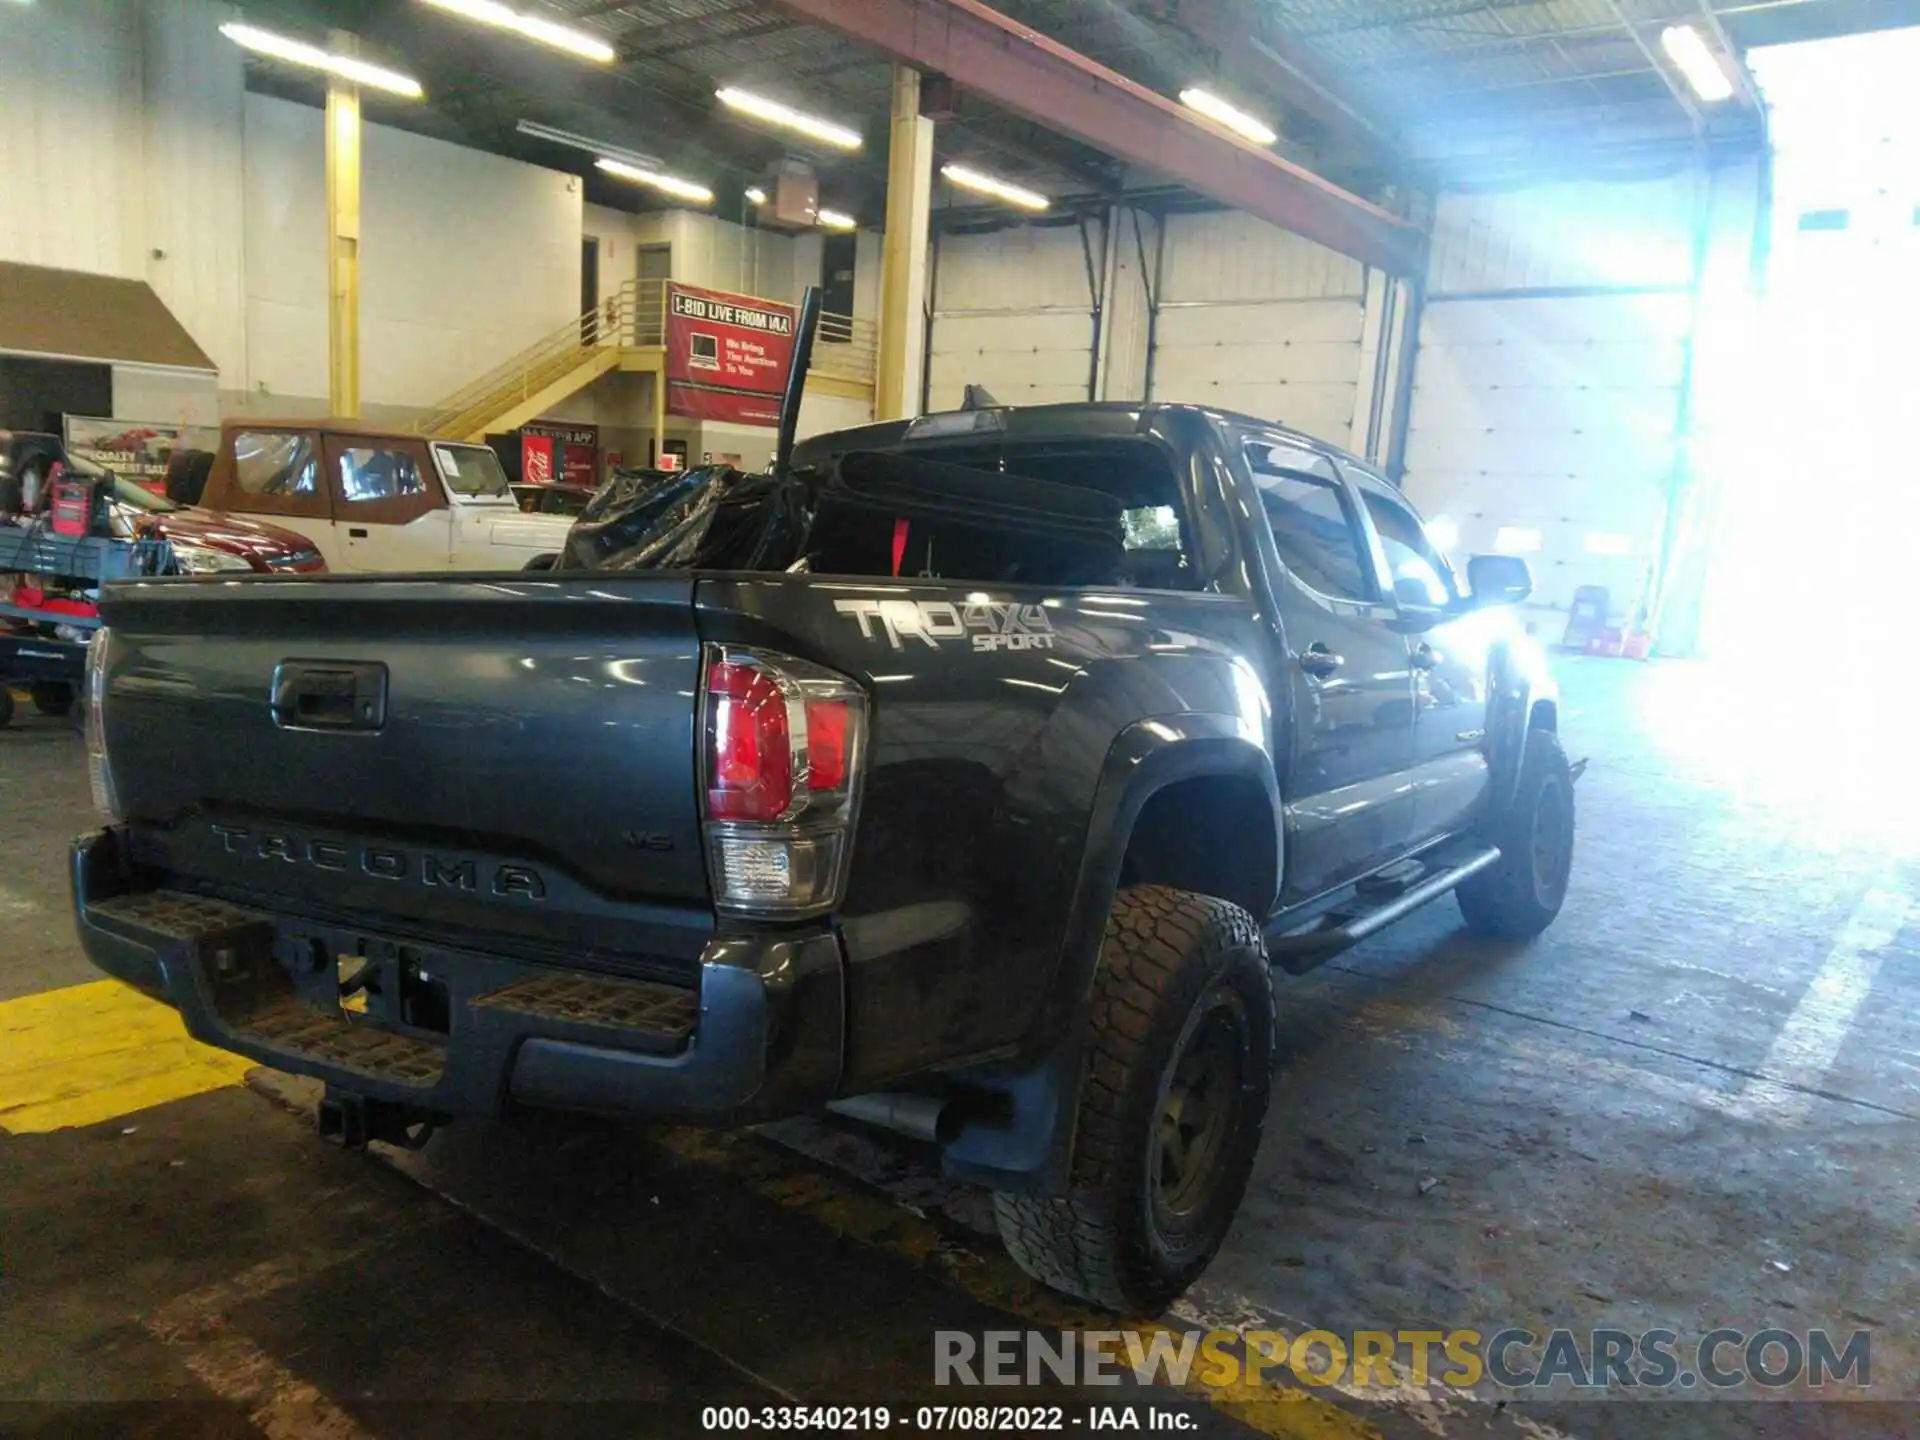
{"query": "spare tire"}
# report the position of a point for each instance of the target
(23, 490)
(187, 474)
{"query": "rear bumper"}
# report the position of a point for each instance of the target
(760, 1034)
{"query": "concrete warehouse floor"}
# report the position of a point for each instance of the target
(1692, 1104)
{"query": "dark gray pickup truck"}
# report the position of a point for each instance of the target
(981, 809)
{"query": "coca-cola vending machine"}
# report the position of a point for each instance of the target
(536, 458)
(565, 453)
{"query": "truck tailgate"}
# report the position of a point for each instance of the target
(506, 754)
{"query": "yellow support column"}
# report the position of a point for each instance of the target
(660, 416)
(343, 239)
(903, 266)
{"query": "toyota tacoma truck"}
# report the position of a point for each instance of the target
(979, 797)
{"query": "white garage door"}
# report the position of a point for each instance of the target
(1295, 361)
(1022, 357)
(1013, 311)
(1544, 426)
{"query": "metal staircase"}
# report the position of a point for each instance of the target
(626, 331)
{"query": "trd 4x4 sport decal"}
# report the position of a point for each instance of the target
(991, 625)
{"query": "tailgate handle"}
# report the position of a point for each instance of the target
(329, 695)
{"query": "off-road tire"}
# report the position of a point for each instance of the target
(1174, 967)
(52, 697)
(1518, 896)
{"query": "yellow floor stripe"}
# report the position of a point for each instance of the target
(1283, 1411)
(98, 1052)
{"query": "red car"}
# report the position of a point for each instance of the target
(207, 541)
(45, 620)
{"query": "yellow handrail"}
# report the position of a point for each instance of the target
(634, 315)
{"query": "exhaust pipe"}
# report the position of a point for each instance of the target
(918, 1116)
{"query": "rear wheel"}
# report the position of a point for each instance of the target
(1518, 897)
(1174, 1090)
(52, 697)
(6, 705)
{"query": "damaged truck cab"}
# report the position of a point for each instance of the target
(971, 777)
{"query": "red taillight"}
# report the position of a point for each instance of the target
(785, 741)
(752, 760)
(829, 743)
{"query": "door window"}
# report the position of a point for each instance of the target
(381, 482)
(1418, 570)
(1313, 524)
(378, 475)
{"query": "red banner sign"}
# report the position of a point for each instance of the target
(727, 355)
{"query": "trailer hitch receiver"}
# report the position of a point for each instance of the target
(353, 1121)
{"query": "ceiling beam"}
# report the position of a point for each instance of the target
(1023, 71)
(1675, 87)
(1743, 77)
(1236, 28)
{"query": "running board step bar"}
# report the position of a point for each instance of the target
(1298, 951)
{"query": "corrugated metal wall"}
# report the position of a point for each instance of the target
(1547, 387)
(192, 173)
(432, 314)
(1258, 320)
(129, 147)
(120, 138)
(70, 188)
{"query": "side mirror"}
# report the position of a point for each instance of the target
(1498, 580)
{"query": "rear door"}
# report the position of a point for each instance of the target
(389, 510)
(1349, 733)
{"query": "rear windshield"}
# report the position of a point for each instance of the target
(1081, 513)
(1135, 475)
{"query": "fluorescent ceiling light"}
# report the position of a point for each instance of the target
(599, 148)
(834, 220)
(1238, 121)
(774, 113)
(756, 195)
(298, 52)
(530, 27)
(1694, 60)
(1013, 194)
(667, 184)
